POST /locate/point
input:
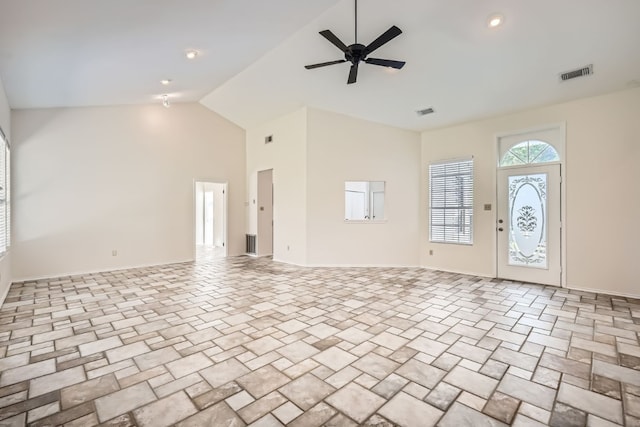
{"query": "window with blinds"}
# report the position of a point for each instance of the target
(451, 201)
(4, 193)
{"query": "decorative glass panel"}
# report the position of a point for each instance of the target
(548, 155)
(529, 152)
(535, 149)
(510, 159)
(528, 220)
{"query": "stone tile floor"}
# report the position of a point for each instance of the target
(245, 341)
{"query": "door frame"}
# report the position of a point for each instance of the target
(560, 146)
(531, 169)
(225, 213)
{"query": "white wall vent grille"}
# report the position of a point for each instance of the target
(425, 111)
(580, 72)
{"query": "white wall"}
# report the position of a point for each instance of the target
(602, 172)
(340, 149)
(5, 261)
(91, 180)
(286, 155)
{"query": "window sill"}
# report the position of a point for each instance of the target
(365, 221)
(440, 242)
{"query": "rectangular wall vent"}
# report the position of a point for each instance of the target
(584, 71)
(251, 244)
(425, 111)
(268, 139)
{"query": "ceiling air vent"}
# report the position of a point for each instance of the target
(425, 111)
(584, 71)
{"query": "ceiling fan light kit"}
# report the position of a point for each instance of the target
(356, 52)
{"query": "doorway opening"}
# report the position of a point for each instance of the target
(210, 207)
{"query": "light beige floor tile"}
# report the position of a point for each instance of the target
(335, 358)
(165, 412)
(356, 402)
(307, 347)
(56, 381)
(123, 401)
(407, 411)
(306, 391)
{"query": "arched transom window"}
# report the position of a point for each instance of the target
(529, 152)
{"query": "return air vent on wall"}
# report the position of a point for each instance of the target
(425, 111)
(581, 72)
(251, 244)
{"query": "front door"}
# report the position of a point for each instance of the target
(529, 224)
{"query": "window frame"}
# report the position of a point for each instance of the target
(5, 194)
(465, 201)
(537, 159)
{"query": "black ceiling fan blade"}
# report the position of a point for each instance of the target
(324, 64)
(327, 34)
(385, 63)
(353, 74)
(387, 36)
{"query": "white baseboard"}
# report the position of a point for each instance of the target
(604, 292)
(5, 293)
(97, 271)
(467, 273)
(360, 266)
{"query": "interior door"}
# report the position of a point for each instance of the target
(529, 224)
(265, 212)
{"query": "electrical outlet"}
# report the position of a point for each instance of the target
(114, 252)
(430, 251)
(287, 247)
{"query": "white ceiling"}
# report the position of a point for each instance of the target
(103, 52)
(57, 53)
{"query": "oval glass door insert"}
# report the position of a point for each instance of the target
(528, 220)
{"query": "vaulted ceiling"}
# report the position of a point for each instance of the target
(251, 55)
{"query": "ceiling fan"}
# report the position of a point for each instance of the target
(356, 52)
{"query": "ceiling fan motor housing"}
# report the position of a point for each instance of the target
(355, 53)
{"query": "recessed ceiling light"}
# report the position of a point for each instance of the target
(165, 81)
(495, 20)
(191, 54)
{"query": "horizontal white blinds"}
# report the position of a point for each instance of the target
(3, 195)
(451, 201)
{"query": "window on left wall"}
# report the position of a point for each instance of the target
(5, 214)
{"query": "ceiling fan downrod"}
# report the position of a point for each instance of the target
(356, 22)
